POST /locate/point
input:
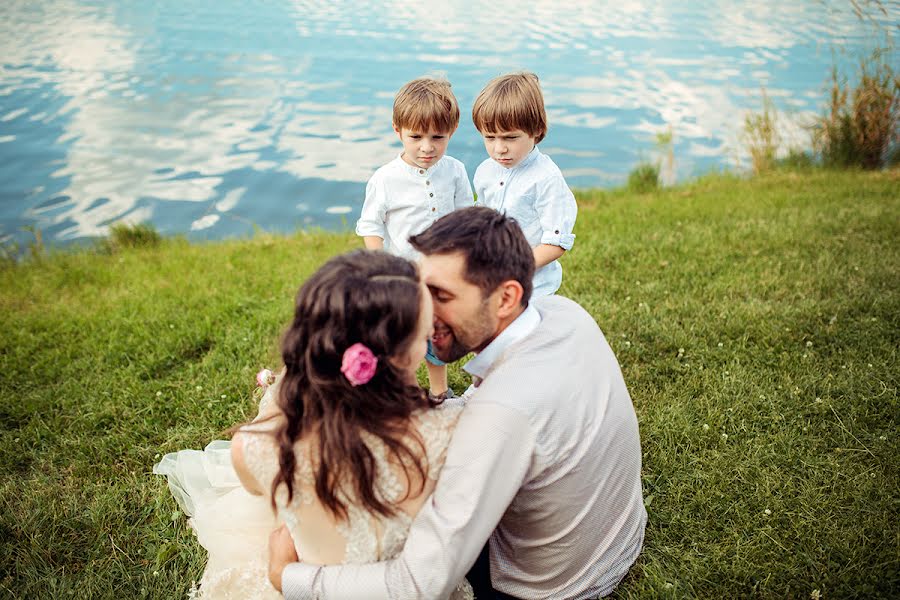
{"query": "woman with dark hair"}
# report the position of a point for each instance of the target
(347, 446)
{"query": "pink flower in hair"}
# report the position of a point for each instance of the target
(358, 364)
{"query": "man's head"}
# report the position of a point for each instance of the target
(425, 116)
(479, 268)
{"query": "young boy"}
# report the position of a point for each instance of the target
(421, 185)
(518, 179)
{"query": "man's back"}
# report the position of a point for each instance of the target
(576, 524)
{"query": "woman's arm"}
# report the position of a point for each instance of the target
(240, 466)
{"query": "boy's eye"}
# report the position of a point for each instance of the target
(439, 137)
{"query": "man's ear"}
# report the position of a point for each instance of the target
(510, 299)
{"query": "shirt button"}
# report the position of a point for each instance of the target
(433, 208)
(421, 171)
(501, 183)
(431, 195)
(427, 182)
(556, 232)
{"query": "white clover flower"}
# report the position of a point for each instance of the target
(158, 394)
(199, 388)
(705, 427)
(725, 436)
(721, 344)
(768, 512)
(808, 344)
(223, 396)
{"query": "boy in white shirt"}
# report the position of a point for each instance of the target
(421, 185)
(520, 180)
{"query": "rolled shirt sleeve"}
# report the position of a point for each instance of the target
(556, 208)
(372, 218)
(451, 528)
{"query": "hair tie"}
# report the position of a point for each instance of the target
(358, 364)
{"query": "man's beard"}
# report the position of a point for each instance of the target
(480, 334)
(455, 352)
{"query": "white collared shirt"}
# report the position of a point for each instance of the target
(536, 195)
(521, 327)
(404, 200)
(545, 462)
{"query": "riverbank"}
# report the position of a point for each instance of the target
(757, 323)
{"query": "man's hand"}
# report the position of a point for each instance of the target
(281, 554)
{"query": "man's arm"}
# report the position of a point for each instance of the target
(487, 461)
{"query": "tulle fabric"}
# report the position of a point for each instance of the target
(230, 523)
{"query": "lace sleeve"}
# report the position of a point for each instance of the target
(436, 427)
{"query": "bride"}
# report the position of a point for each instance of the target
(346, 447)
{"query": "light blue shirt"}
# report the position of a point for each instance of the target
(536, 195)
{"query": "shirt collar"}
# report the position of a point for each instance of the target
(524, 324)
(532, 156)
(416, 171)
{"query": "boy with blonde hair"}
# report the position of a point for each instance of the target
(519, 179)
(421, 185)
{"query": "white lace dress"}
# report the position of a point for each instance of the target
(233, 525)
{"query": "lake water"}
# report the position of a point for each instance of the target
(210, 118)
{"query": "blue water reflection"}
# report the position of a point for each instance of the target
(206, 118)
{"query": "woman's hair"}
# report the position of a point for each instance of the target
(367, 297)
(424, 103)
(511, 102)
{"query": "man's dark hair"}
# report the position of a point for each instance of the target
(493, 245)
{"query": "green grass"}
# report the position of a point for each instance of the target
(757, 323)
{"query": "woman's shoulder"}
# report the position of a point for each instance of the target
(435, 427)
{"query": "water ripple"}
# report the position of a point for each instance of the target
(211, 117)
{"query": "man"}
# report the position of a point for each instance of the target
(545, 460)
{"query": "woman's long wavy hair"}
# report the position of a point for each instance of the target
(372, 298)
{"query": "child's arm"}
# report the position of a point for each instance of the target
(544, 254)
(370, 225)
(373, 242)
(556, 209)
(462, 197)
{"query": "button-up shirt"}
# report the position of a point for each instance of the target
(545, 461)
(536, 195)
(404, 200)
